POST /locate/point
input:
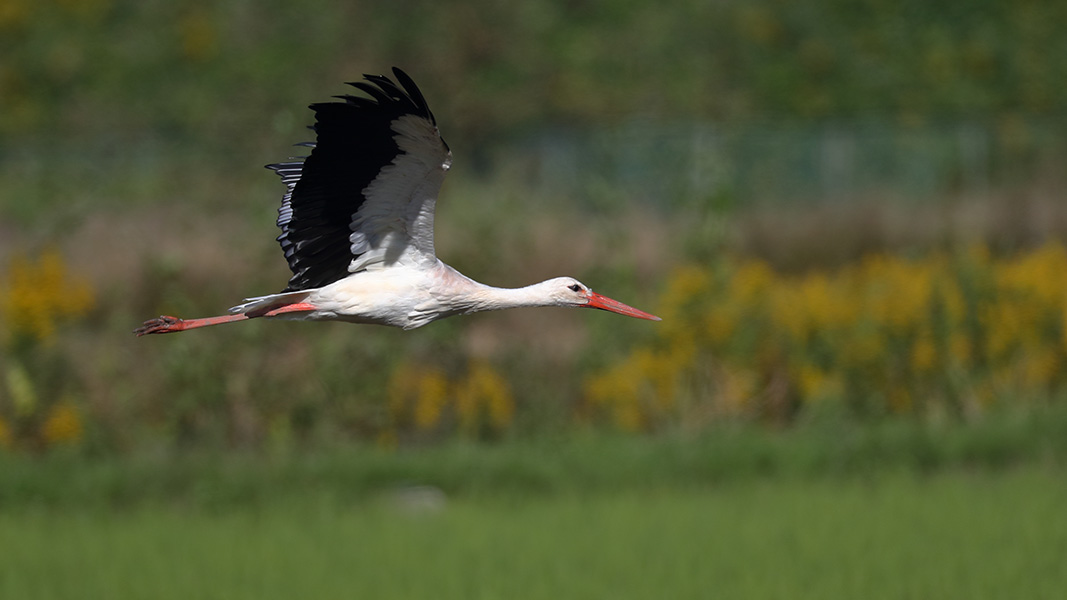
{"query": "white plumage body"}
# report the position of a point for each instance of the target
(408, 297)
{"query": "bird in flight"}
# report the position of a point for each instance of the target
(357, 226)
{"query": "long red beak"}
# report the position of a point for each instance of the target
(605, 303)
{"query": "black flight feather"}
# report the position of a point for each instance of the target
(354, 141)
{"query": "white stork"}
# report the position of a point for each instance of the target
(357, 225)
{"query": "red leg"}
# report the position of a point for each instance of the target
(288, 308)
(165, 324)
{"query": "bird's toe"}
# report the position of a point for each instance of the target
(162, 324)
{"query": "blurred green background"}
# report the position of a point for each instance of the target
(849, 213)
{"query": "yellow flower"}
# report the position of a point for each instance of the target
(923, 354)
(995, 326)
(685, 289)
(952, 300)
(13, 13)
(618, 392)
(35, 294)
(430, 401)
(484, 390)
(1039, 368)
(63, 425)
(417, 396)
(811, 381)
(1037, 276)
(752, 279)
(199, 38)
(659, 371)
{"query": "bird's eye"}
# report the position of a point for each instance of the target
(574, 287)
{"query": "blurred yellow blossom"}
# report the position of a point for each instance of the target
(63, 425)
(199, 37)
(906, 332)
(430, 400)
(417, 395)
(618, 392)
(484, 394)
(923, 353)
(37, 293)
(14, 13)
(423, 398)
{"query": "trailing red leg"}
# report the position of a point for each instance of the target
(166, 324)
(296, 307)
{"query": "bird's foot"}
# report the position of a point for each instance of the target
(163, 324)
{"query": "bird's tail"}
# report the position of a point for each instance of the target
(255, 307)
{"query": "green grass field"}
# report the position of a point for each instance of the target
(882, 511)
(891, 535)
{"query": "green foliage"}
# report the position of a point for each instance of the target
(123, 68)
(543, 465)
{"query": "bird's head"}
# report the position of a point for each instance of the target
(568, 291)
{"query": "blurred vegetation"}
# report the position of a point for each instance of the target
(37, 297)
(948, 336)
(131, 136)
(123, 68)
(575, 463)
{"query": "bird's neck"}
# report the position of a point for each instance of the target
(487, 297)
(462, 294)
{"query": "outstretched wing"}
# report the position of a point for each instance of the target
(365, 196)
